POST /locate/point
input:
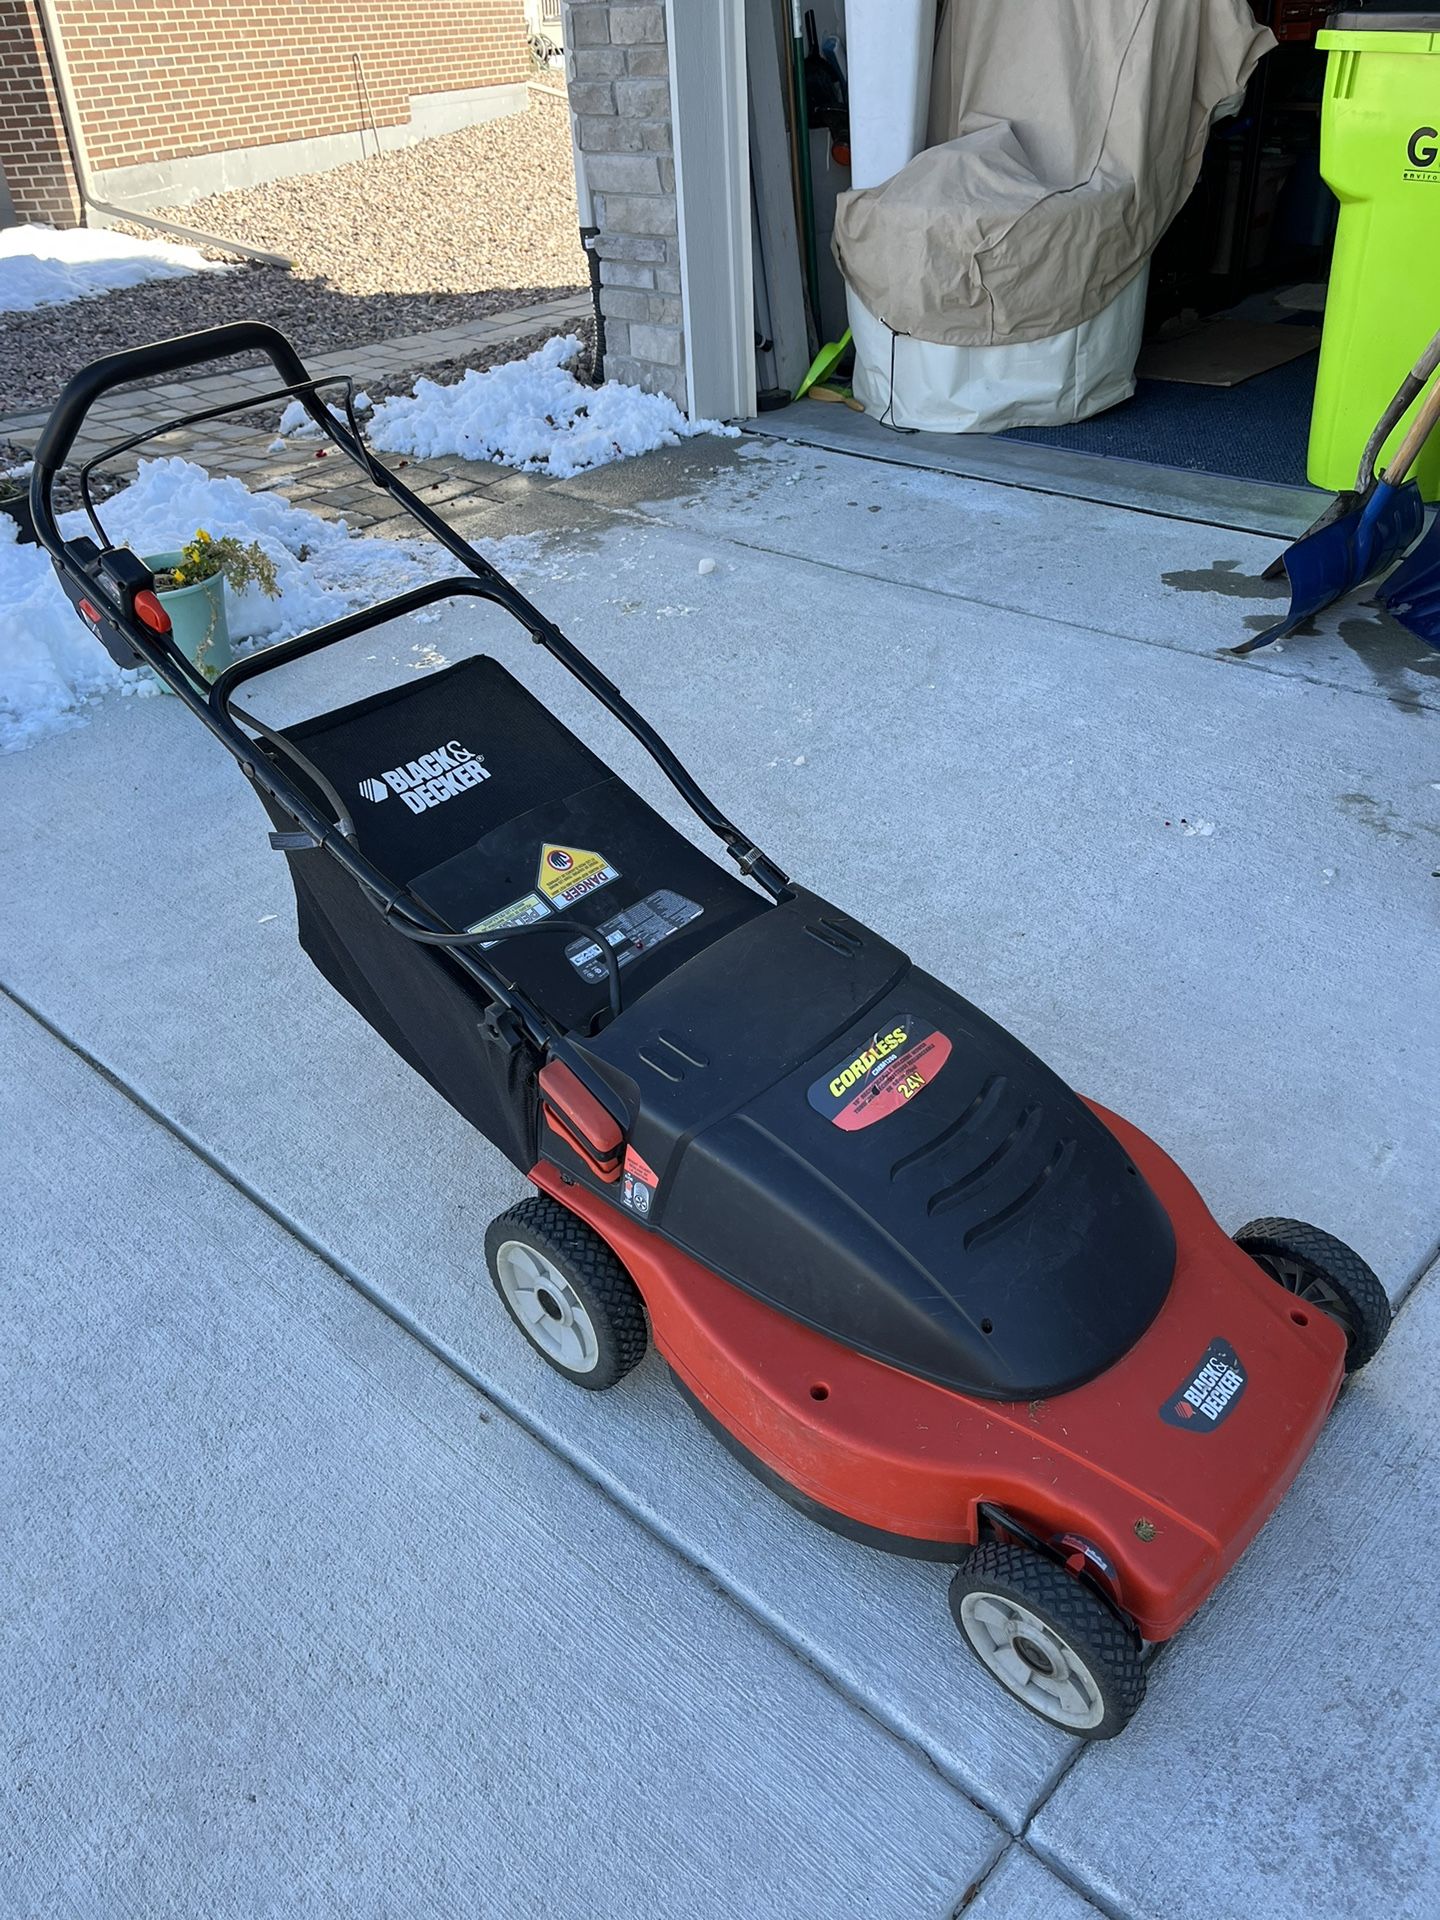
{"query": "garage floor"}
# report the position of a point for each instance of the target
(1259, 430)
(319, 1595)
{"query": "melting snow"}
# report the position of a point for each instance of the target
(42, 267)
(535, 415)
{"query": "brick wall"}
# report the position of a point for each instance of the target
(617, 67)
(160, 80)
(33, 154)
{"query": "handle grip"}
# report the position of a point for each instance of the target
(141, 363)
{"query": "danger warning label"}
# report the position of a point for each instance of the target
(567, 874)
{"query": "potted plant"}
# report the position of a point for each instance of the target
(15, 500)
(191, 586)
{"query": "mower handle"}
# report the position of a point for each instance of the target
(142, 363)
(83, 570)
(68, 414)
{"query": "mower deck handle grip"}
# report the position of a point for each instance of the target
(164, 356)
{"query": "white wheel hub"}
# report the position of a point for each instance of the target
(1029, 1657)
(548, 1309)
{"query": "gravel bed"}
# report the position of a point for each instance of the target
(67, 485)
(431, 236)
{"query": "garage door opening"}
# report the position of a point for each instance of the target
(1219, 421)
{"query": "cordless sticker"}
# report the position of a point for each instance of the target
(897, 1063)
(567, 874)
(1203, 1400)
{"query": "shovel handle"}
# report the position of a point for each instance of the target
(1410, 386)
(1408, 452)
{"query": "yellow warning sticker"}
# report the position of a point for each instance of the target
(567, 874)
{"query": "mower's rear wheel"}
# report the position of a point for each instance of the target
(566, 1292)
(1051, 1642)
(1324, 1273)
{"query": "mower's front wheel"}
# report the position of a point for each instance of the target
(1051, 1642)
(566, 1292)
(1324, 1273)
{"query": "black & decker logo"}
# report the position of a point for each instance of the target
(1207, 1395)
(431, 780)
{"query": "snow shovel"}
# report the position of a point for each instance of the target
(1362, 531)
(1412, 593)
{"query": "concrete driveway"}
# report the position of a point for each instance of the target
(321, 1595)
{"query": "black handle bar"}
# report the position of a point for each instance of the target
(144, 363)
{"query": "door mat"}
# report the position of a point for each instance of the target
(1223, 353)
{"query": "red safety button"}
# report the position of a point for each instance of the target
(150, 613)
(92, 614)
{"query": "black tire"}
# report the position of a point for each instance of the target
(1090, 1649)
(1324, 1273)
(587, 1308)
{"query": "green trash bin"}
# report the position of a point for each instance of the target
(1380, 154)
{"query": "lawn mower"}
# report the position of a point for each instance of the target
(921, 1288)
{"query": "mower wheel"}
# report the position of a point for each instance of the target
(567, 1293)
(1326, 1274)
(1049, 1640)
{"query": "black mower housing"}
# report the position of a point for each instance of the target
(987, 1231)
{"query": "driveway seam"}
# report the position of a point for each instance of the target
(761, 1618)
(1055, 488)
(1020, 1845)
(1427, 1263)
(1067, 1877)
(1217, 657)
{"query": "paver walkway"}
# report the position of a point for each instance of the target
(232, 447)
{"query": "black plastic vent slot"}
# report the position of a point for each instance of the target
(952, 1195)
(664, 1062)
(685, 1049)
(839, 939)
(990, 1093)
(983, 1229)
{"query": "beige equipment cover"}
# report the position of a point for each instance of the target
(1065, 136)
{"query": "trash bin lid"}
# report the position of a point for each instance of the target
(1392, 20)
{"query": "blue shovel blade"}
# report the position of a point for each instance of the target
(1412, 593)
(1329, 562)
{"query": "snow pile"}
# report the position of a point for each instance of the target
(295, 418)
(50, 665)
(533, 414)
(40, 267)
